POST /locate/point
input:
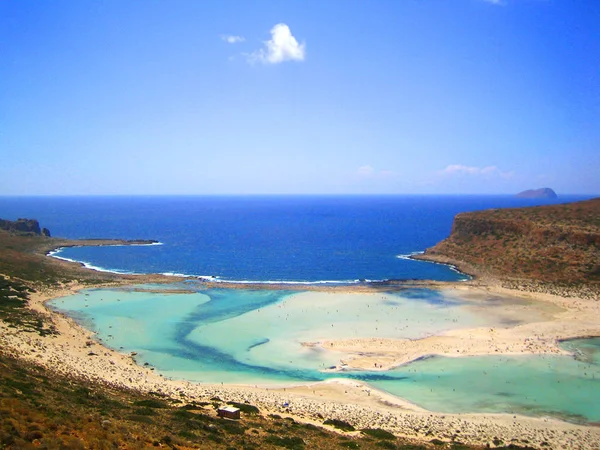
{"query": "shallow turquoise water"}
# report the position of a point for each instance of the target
(256, 336)
(534, 385)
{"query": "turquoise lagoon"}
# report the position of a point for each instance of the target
(256, 337)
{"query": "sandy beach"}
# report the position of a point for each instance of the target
(570, 318)
(75, 352)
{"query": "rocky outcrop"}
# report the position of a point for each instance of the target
(537, 193)
(24, 226)
(551, 244)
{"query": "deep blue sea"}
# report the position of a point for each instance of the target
(261, 238)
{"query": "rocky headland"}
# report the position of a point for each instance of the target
(24, 227)
(553, 248)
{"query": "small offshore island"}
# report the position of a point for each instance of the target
(88, 393)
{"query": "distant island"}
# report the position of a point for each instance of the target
(538, 193)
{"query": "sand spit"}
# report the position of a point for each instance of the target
(74, 352)
(570, 318)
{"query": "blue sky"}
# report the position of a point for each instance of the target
(306, 97)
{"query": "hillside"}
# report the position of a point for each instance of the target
(39, 409)
(557, 245)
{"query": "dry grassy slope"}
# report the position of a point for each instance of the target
(23, 257)
(40, 410)
(556, 244)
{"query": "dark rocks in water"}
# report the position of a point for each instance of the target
(141, 241)
(24, 226)
(537, 193)
(125, 241)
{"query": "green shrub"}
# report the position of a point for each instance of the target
(339, 424)
(245, 408)
(349, 444)
(378, 433)
(140, 419)
(151, 403)
(292, 443)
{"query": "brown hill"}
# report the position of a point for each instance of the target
(557, 244)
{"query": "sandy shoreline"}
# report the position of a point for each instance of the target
(74, 352)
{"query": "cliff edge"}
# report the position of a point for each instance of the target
(24, 226)
(555, 245)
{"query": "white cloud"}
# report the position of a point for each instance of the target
(460, 169)
(488, 171)
(282, 46)
(366, 171)
(231, 39)
(370, 172)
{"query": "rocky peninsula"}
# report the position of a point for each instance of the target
(553, 249)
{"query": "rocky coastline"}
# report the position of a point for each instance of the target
(548, 249)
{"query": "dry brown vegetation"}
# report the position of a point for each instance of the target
(24, 257)
(554, 246)
(41, 410)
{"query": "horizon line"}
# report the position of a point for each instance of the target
(297, 195)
